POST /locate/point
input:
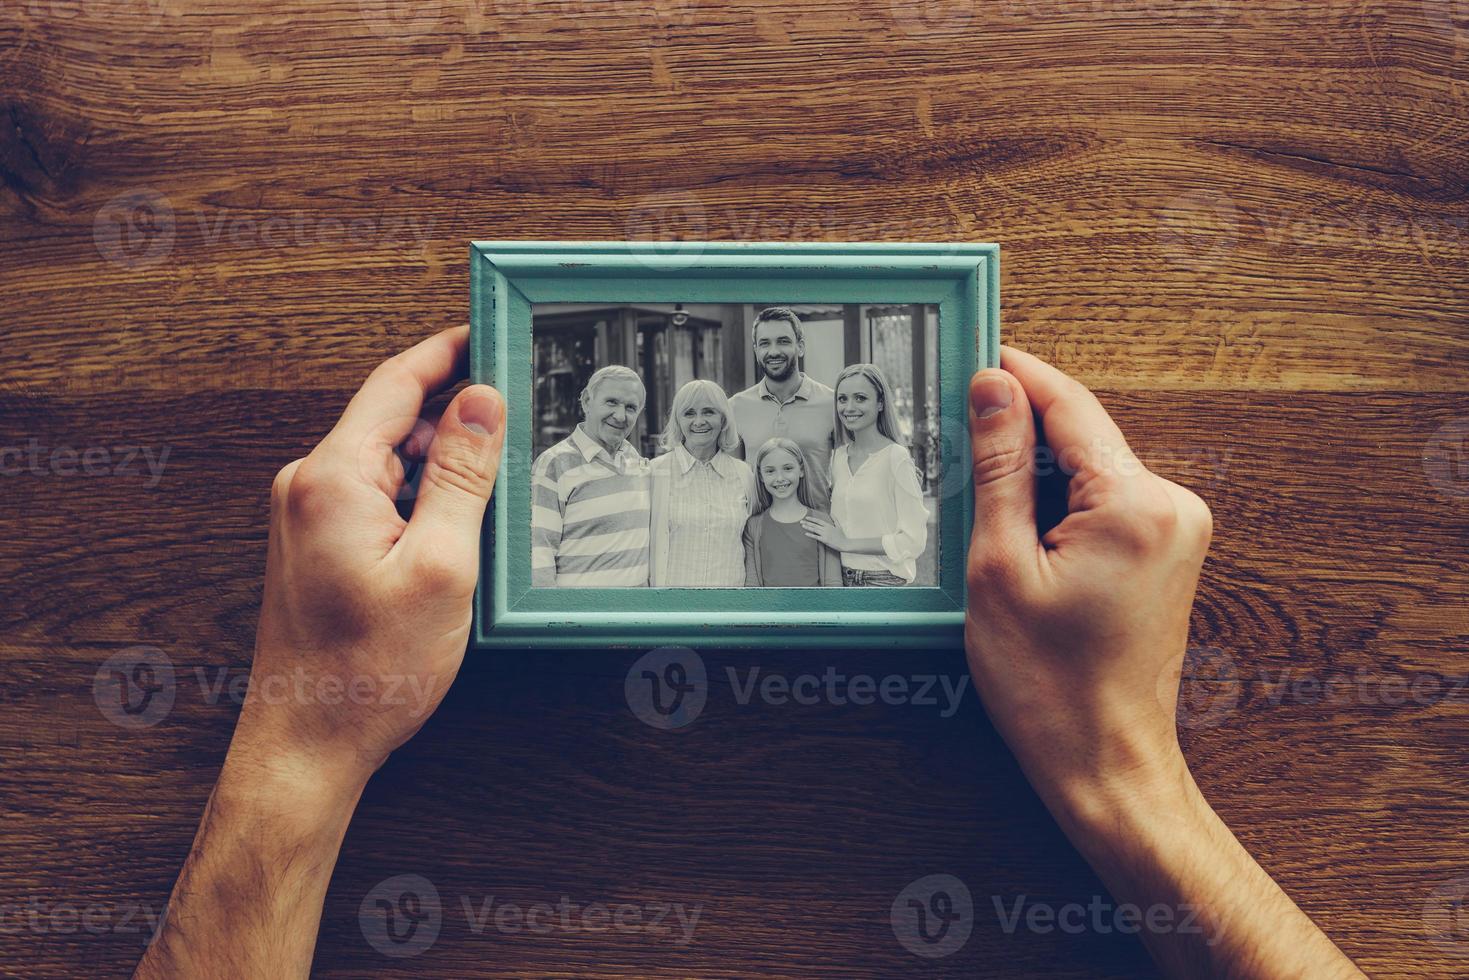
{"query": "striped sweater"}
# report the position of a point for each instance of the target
(589, 516)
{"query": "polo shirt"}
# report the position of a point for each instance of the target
(589, 515)
(808, 418)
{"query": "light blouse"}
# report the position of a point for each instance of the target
(707, 506)
(884, 500)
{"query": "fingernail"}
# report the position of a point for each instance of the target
(481, 414)
(990, 396)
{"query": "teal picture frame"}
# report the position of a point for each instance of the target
(507, 278)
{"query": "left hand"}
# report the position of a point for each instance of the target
(366, 616)
(363, 626)
(826, 532)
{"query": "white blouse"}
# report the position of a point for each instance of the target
(883, 499)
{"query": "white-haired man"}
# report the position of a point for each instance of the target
(590, 494)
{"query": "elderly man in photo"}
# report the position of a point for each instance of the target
(590, 493)
(786, 402)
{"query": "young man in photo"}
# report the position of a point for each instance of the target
(785, 402)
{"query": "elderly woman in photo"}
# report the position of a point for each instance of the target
(881, 523)
(702, 495)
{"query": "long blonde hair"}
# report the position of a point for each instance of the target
(887, 422)
(762, 495)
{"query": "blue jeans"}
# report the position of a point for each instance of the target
(863, 577)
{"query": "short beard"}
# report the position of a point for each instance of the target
(790, 367)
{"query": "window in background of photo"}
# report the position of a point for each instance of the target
(664, 343)
(903, 342)
(565, 357)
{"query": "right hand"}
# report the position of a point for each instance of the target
(1076, 635)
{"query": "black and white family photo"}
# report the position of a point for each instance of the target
(729, 445)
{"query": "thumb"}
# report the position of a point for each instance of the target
(458, 478)
(1002, 442)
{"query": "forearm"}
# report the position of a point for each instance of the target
(1216, 913)
(248, 901)
(863, 546)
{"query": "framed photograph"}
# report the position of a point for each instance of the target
(729, 444)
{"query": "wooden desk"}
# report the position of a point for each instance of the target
(1243, 223)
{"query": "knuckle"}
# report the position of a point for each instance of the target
(280, 487)
(312, 491)
(394, 372)
(1150, 518)
(999, 460)
(456, 465)
(991, 569)
(436, 574)
(1194, 515)
(985, 564)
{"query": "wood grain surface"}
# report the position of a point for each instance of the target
(1243, 223)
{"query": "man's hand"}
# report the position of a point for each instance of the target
(365, 622)
(1076, 636)
(355, 595)
(1070, 630)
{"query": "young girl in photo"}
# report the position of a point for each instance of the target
(879, 522)
(778, 551)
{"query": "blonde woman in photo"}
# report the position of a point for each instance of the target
(702, 495)
(778, 551)
(879, 521)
